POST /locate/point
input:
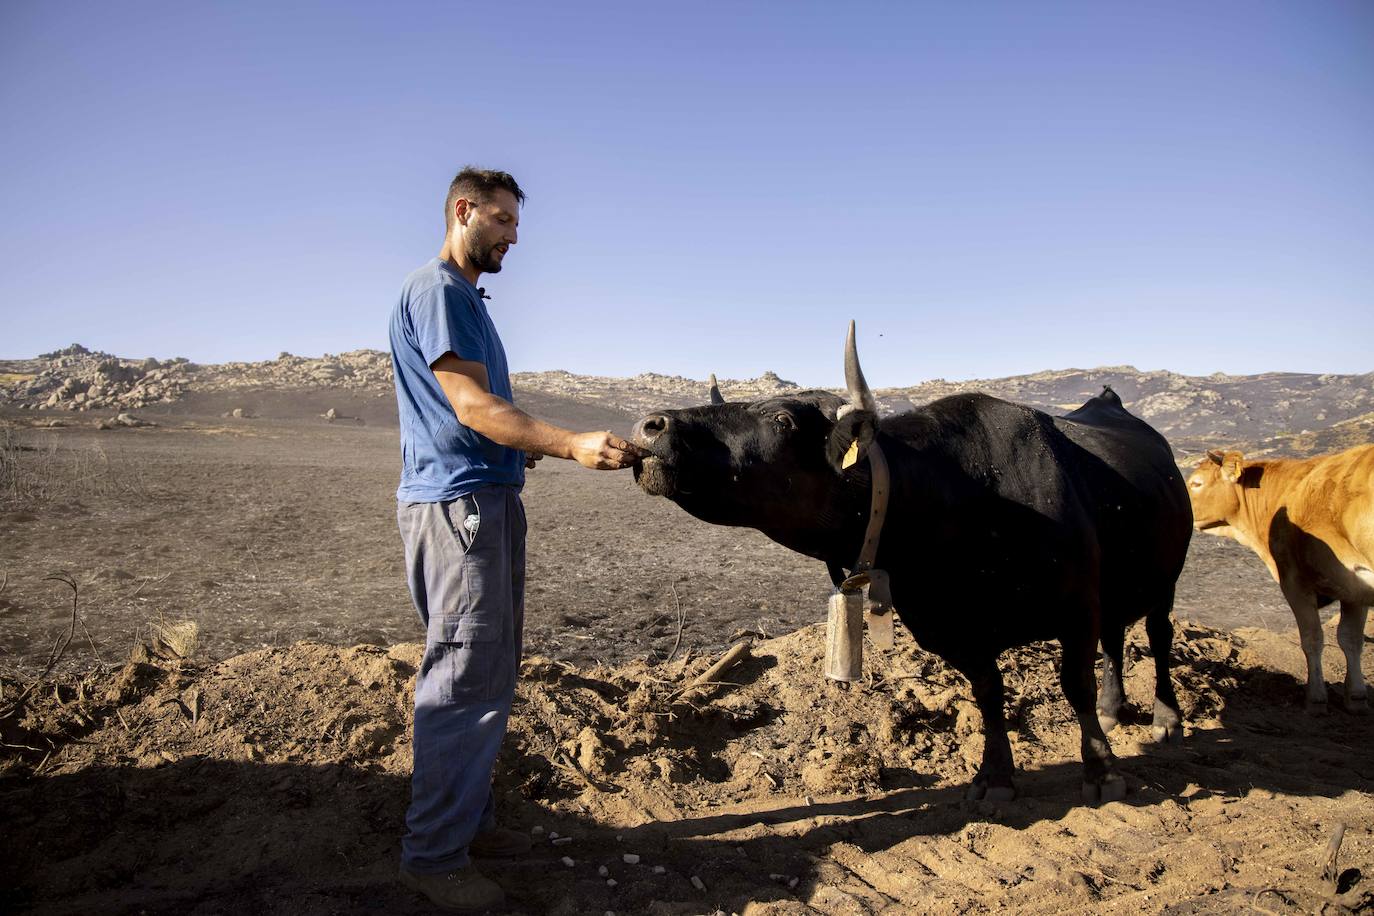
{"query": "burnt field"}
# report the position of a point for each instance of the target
(268, 770)
(265, 532)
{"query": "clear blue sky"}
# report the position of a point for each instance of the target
(993, 188)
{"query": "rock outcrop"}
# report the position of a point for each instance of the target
(75, 378)
(1279, 412)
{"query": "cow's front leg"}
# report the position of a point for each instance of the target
(1304, 605)
(1101, 782)
(1350, 634)
(1112, 695)
(993, 781)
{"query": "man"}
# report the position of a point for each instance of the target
(464, 449)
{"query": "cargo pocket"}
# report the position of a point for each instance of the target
(464, 518)
(466, 659)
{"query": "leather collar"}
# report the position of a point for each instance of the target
(863, 574)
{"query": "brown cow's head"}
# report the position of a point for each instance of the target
(1214, 489)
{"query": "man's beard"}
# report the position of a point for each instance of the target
(483, 257)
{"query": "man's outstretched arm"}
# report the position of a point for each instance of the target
(465, 384)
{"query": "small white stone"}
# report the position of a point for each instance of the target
(739, 849)
(698, 883)
(630, 858)
(777, 877)
(562, 841)
(553, 834)
(610, 882)
(793, 882)
(536, 829)
(809, 800)
(603, 871)
(610, 913)
(660, 870)
(568, 862)
(619, 838)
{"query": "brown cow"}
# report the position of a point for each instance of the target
(1312, 523)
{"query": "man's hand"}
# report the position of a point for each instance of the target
(604, 451)
(465, 384)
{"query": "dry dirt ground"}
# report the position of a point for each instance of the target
(267, 773)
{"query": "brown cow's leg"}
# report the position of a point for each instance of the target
(993, 781)
(1101, 782)
(1168, 723)
(1304, 605)
(1112, 694)
(1350, 635)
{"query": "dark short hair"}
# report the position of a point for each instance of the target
(477, 185)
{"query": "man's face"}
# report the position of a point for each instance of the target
(490, 230)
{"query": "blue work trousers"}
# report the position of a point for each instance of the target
(465, 561)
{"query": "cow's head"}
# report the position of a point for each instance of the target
(1214, 489)
(779, 464)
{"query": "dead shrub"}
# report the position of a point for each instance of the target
(33, 472)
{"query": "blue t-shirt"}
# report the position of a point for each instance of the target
(441, 459)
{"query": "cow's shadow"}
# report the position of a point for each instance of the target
(1259, 739)
(1257, 720)
(1288, 538)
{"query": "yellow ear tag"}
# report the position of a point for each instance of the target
(851, 456)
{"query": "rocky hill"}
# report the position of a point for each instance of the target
(1274, 413)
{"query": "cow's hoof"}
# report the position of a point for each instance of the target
(1167, 734)
(1316, 707)
(1357, 706)
(1111, 788)
(981, 791)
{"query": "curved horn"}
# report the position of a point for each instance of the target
(859, 395)
(715, 391)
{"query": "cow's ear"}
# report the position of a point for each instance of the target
(1215, 454)
(850, 437)
(1232, 466)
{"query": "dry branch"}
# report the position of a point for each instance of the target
(1333, 848)
(91, 641)
(564, 762)
(59, 648)
(147, 580)
(681, 620)
(683, 691)
(730, 659)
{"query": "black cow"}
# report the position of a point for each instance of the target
(1006, 525)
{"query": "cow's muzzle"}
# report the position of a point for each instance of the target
(654, 474)
(655, 477)
(649, 430)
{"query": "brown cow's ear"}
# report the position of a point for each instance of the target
(1232, 466)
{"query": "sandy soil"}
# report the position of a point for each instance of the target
(274, 782)
(268, 772)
